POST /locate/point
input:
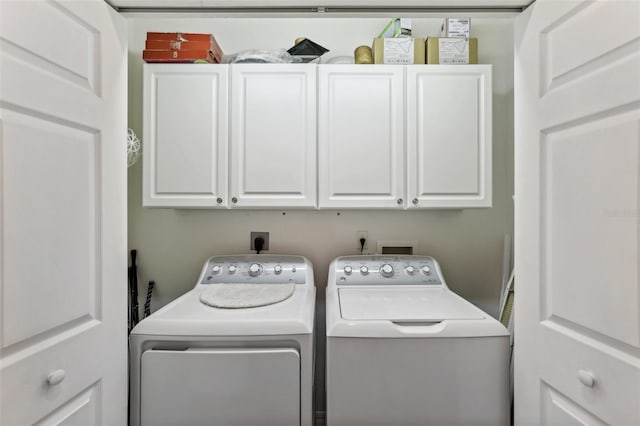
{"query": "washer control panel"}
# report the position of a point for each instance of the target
(262, 269)
(387, 270)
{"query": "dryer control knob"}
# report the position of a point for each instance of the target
(386, 270)
(410, 270)
(216, 269)
(348, 270)
(233, 269)
(364, 270)
(255, 269)
(426, 270)
(277, 269)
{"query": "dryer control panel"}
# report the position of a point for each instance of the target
(387, 270)
(258, 269)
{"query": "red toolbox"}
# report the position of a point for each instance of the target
(181, 47)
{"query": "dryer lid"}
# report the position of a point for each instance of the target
(405, 305)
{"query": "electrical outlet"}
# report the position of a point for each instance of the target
(265, 237)
(360, 235)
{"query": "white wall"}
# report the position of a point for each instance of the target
(173, 244)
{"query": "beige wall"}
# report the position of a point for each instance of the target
(173, 244)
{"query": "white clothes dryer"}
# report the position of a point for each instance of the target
(237, 349)
(403, 349)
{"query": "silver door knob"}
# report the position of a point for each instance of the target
(234, 200)
(219, 200)
(415, 201)
(399, 201)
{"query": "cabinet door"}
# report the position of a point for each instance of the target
(449, 136)
(273, 135)
(185, 135)
(361, 136)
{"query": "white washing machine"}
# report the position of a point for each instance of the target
(402, 349)
(235, 350)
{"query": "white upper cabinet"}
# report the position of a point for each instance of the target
(363, 126)
(381, 136)
(448, 136)
(185, 135)
(273, 135)
(361, 136)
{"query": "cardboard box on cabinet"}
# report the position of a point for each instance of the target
(399, 50)
(452, 51)
(456, 27)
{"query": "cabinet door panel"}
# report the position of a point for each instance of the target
(449, 136)
(273, 136)
(185, 135)
(361, 152)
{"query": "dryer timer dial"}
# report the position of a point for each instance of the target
(386, 270)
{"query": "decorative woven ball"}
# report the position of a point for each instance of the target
(133, 148)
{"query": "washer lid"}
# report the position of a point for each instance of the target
(405, 305)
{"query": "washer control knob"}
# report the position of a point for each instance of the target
(277, 269)
(386, 270)
(347, 270)
(216, 269)
(255, 269)
(233, 269)
(364, 270)
(426, 270)
(410, 270)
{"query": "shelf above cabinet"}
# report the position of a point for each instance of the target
(324, 6)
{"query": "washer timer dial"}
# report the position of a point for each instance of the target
(255, 269)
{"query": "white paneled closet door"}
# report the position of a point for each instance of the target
(63, 213)
(577, 204)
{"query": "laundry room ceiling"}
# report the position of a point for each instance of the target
(319, 5)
